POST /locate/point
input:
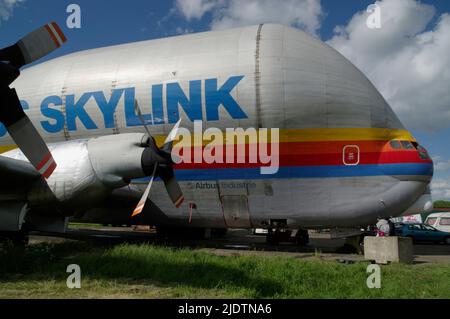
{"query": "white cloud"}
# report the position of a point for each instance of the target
(7, 7)
(195, 9)
(409, 65)
(303, 14)
(180, 30)
(441, 165)
(440, 189)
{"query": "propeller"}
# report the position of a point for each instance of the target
(160, 163)
(30, 48)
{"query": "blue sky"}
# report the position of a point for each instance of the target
(117, 21)
(107, 22)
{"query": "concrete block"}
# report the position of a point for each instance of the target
(388, 249)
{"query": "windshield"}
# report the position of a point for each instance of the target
(407, 145)
(396, 145)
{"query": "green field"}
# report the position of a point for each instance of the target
(146, 271)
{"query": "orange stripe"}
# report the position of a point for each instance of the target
(60, 33)
(138, 209)
(52, 35)
(136, 212)
(179, 201)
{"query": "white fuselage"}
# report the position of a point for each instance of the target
(263, 77)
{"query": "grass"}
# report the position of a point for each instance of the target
(146, 271)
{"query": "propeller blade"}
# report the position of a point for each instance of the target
(172, 186)
(25, 134)
(8, 73)
(140, 206)
(152, 143)
(165, 171)
(173, 134)
(30, 48)
(34, 45)
(168, 143)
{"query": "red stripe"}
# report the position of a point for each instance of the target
(307, 154)
(48, 172)
(52, 35)
(60, 33)
(329, 147)
(44, 161)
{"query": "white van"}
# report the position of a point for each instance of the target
(440, 221)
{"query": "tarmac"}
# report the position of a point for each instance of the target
(241, 242)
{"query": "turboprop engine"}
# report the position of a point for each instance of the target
(89, 170)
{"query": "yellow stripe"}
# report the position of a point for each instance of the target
(322, 135)
(6, 148)
(343, 134)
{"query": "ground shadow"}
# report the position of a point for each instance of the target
(48, 263)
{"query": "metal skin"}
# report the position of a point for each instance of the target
(90, 170)
(319, 100)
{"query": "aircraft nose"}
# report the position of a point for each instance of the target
(425, 157)
(413, 163)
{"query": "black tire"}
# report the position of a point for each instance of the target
(20, 238)
(272, 238)
(219, 232)
(302, 238)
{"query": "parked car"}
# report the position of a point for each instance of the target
(422, 232)
(440, 221)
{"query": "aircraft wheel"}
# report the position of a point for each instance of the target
(219, 232)
(302, 237)
(19, 238)
(272, 238)
(353, 245)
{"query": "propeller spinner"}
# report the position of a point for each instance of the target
(161, 164)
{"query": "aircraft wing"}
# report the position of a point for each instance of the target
(16, 173)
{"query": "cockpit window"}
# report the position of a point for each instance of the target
(407, 145)
(423, 153)
(396, 145)
(421, 149)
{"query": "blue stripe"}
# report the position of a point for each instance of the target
(425, 169)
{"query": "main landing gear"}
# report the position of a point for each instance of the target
(299, 237)
(19, 238)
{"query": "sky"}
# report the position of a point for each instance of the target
(408, 58)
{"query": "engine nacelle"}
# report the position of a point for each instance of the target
(88, 171)
(117, 159)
